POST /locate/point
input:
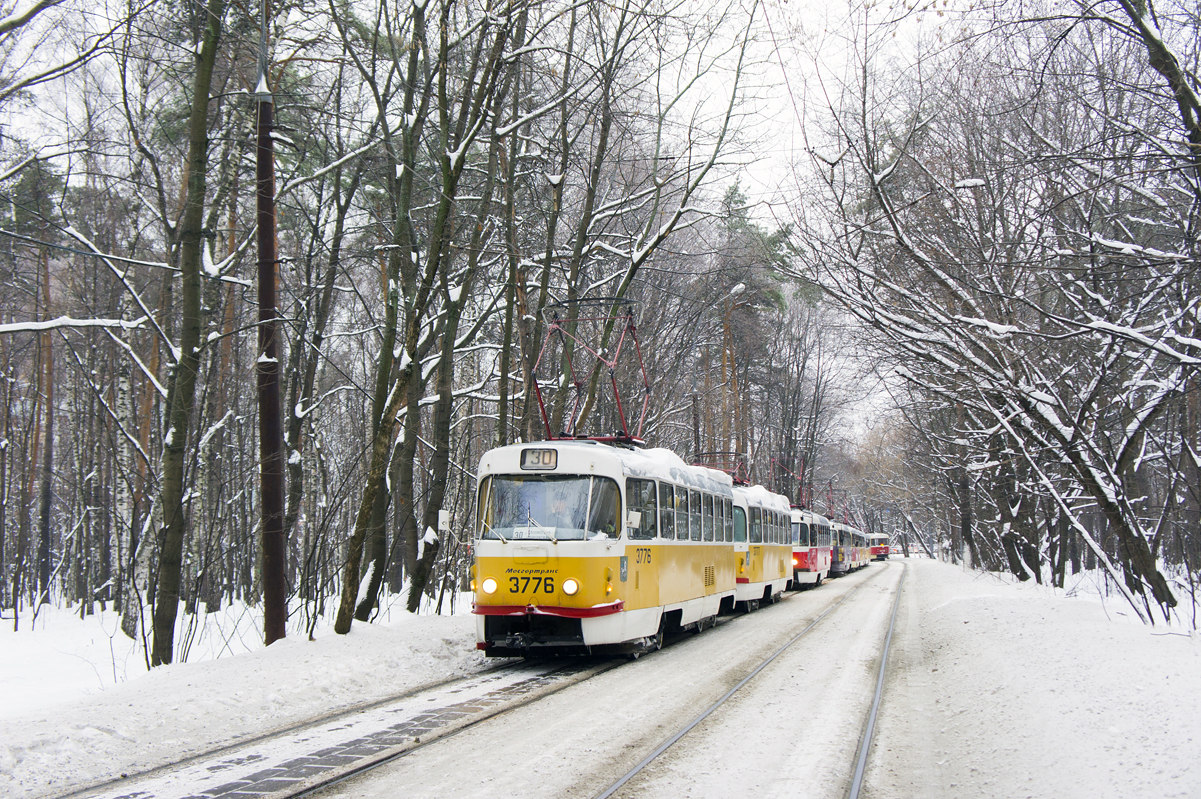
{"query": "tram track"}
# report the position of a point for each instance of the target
(367, 765)
(867, 728)
(319, 787)
(869, 724)
(186, 776)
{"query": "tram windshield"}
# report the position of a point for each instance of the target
(549, 507)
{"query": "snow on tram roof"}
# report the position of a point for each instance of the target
(656, 462)
(765, 498)
(650, 463)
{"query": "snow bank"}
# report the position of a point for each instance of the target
(66, 721)
(1005, 689)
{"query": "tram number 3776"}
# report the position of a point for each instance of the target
(521, 585)
(642, 555)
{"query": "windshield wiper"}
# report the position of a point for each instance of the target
(495, 532)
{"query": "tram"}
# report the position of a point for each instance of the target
(587, 546)
(810, 547)
(762, 544)
(848, 549)
(860, 552)
(878, 545)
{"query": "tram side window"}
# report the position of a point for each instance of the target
(729, 518)
(707, 515)
(694, 515)
(682, 523)
(667, 511)
(603, 511)
(756, 526)
(640, 495)
(739, 525)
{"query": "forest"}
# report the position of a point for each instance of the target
(930, 269)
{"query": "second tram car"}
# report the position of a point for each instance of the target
(762, 544)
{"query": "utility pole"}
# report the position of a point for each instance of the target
(271, 441)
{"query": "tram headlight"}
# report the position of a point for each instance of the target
(489, 585)
(571, 586)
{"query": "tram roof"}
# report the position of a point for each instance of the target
(654, 463)
(808, 516)
(764, 498)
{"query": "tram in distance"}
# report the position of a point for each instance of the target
(878, 544)
(849, 551)
(581, 546)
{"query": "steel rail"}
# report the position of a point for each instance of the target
(367, 766)
(869, 727)
(370, 764)
(91, 789)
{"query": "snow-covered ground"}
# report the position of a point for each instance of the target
(997, 690)
(64, 721)
(1000, 689)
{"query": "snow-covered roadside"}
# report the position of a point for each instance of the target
(1002, 689)
(58, 730)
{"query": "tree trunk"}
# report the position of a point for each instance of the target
(46, 491)
(181, 393)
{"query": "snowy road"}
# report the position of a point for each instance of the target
(799, 719)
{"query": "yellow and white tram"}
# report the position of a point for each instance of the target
(762, 544)
(584, 546)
